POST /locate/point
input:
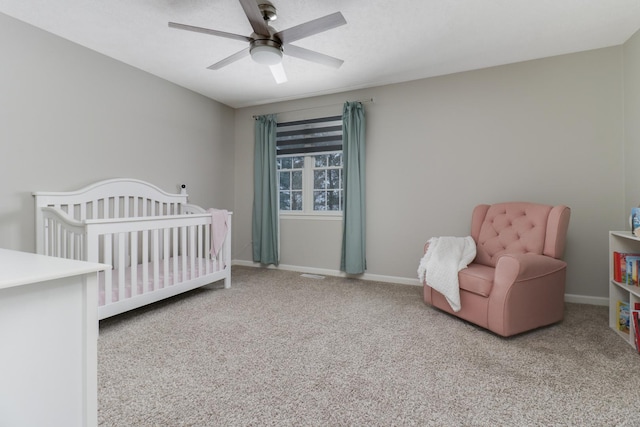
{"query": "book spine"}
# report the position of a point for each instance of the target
(617, 272)
(635, 321)
(623, 316)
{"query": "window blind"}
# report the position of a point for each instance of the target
(309, 136)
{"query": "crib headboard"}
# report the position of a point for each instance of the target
(113, 198)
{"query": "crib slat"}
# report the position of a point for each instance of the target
(156, 260)
(68, 244)
(52, 238)
(207, 247)
(175, 255)
(125, 207)
(136, 201)
(59, 240)
(79, 247)
(107, 259)
(165, 256)
(183, 251)
(192, 252)
(133, 264)
(116, 207)
(56, 240)
(145, 262)
(120, 239)
(199, 249)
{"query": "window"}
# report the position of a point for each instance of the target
(290, 170)
(309, 164)
(327, 182)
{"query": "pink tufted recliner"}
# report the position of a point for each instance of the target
(516, 282)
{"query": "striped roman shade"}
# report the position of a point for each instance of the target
(309, 136)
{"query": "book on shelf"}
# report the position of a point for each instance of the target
(635, 324)
(620, 265)
(633, 265)
(623, 316)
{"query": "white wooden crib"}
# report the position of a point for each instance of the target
(158, 244)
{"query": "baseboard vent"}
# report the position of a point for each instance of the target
(312, 276)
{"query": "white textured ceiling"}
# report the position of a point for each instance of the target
(383, 42)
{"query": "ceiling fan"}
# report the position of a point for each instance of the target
(266, 45)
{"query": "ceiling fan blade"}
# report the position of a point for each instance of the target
(310, 55)
(254, 16)
(311, 27)
(208, 31)
(278, 73)
(228, 60)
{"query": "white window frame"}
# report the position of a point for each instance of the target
(307, 211)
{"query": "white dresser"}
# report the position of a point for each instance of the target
(48, 340)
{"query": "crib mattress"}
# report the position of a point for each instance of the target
(179, 269)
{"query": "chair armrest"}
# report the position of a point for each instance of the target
(513, 268)
(528, 291)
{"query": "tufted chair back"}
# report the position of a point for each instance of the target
(518, 228)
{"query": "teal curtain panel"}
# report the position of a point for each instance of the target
(353, 258)
(265, 198)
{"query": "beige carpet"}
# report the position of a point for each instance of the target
(278, 349)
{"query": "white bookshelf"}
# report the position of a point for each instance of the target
(621, 241)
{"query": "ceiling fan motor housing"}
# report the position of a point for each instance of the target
(268, 11)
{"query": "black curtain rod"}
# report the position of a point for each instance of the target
(364, 101)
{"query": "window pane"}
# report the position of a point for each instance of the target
(297, 180)
(298, 162)
(286, 162)
(285, 201)
(333, 202)
(334, 178)
(319, 179)
(319, 201)
(285, 180)
(278, 163)
(335, 159)
(321, 160)
(296, 200)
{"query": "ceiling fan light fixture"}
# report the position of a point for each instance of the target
(266, 54)
(278, 73)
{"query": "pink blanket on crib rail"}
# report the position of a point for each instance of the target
(219, 228)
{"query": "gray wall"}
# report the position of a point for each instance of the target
(632, 122)
(548, 131)
(70, 117)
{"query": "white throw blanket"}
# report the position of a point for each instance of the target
(439, 267)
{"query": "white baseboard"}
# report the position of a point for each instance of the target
(584, 299)
(334, 273)
(578, 299)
